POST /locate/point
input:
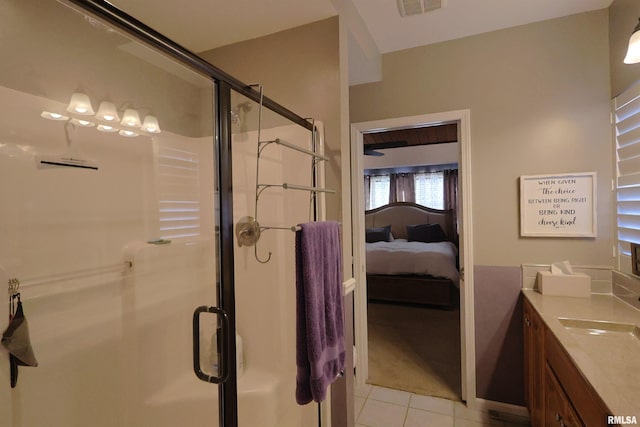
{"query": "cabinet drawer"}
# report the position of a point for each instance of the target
(588, 405)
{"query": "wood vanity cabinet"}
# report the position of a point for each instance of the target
(556, 393)
(533, 364)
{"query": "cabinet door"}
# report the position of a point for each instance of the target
(584, 399)
(534, 364)
(559, 411)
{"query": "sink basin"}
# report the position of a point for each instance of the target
(601, 328)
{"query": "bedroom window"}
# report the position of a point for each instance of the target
(429, 189)
(626, 109)
(379, 188)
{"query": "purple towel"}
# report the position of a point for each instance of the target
(320, 326)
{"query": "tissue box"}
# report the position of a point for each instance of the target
(568, 285)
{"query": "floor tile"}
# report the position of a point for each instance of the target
(390, 395)
(420, 418)
(363, 391)
(382, 414)
(358, 403)
(460, 411)
(433, 404)
(461, 422)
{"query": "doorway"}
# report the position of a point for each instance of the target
(467, 353)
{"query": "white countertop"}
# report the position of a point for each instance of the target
(610, 363)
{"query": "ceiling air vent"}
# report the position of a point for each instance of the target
(416, 7)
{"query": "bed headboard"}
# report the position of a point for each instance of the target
(401, 214)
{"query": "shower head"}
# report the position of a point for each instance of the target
(241, 109)
(235, 118)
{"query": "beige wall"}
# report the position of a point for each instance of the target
(623, 18)
(300, 69)
(539, 100)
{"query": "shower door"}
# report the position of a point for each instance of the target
(108, 219)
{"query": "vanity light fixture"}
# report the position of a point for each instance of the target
(633, 52)
(131, 118)
(107, 112)
(80, 104)
(150, 124)
(107, 116)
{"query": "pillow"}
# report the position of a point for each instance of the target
(380, 234)
(427, 233)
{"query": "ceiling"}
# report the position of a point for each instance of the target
(440, 134)
(200, 25)
(460, 18)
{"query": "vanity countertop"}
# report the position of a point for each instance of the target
(609, 361)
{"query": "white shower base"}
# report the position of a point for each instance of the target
(259, 396)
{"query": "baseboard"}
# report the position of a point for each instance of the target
(487, 405)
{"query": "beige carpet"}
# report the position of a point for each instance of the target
(415, 349)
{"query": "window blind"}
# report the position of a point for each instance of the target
(179, 193)
(430, 189)
(626, 115)
(380, 188)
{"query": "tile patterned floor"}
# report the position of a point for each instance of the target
(383, 407)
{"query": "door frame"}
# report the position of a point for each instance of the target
(467, 333)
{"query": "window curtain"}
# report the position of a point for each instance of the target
(402, 188)
(451, 193)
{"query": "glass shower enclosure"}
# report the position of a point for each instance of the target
(119, 151)
(109, 216)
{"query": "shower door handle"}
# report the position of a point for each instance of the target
(222, 339)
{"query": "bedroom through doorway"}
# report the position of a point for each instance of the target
(411, 322)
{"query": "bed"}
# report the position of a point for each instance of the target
(412, 255)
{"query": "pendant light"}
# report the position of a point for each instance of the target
(633, 53)
(150, 124)
(131, 118)
(107, 112)
(80, 104)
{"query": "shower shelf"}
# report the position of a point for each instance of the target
(291, 146)
(287, 186)
(248, 229)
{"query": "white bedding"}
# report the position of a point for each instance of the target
(403, 257)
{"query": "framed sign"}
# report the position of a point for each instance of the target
(558, 205)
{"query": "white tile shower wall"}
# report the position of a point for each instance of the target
(601, 282)
(65, 219)
(60, 226)
(265, 292)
